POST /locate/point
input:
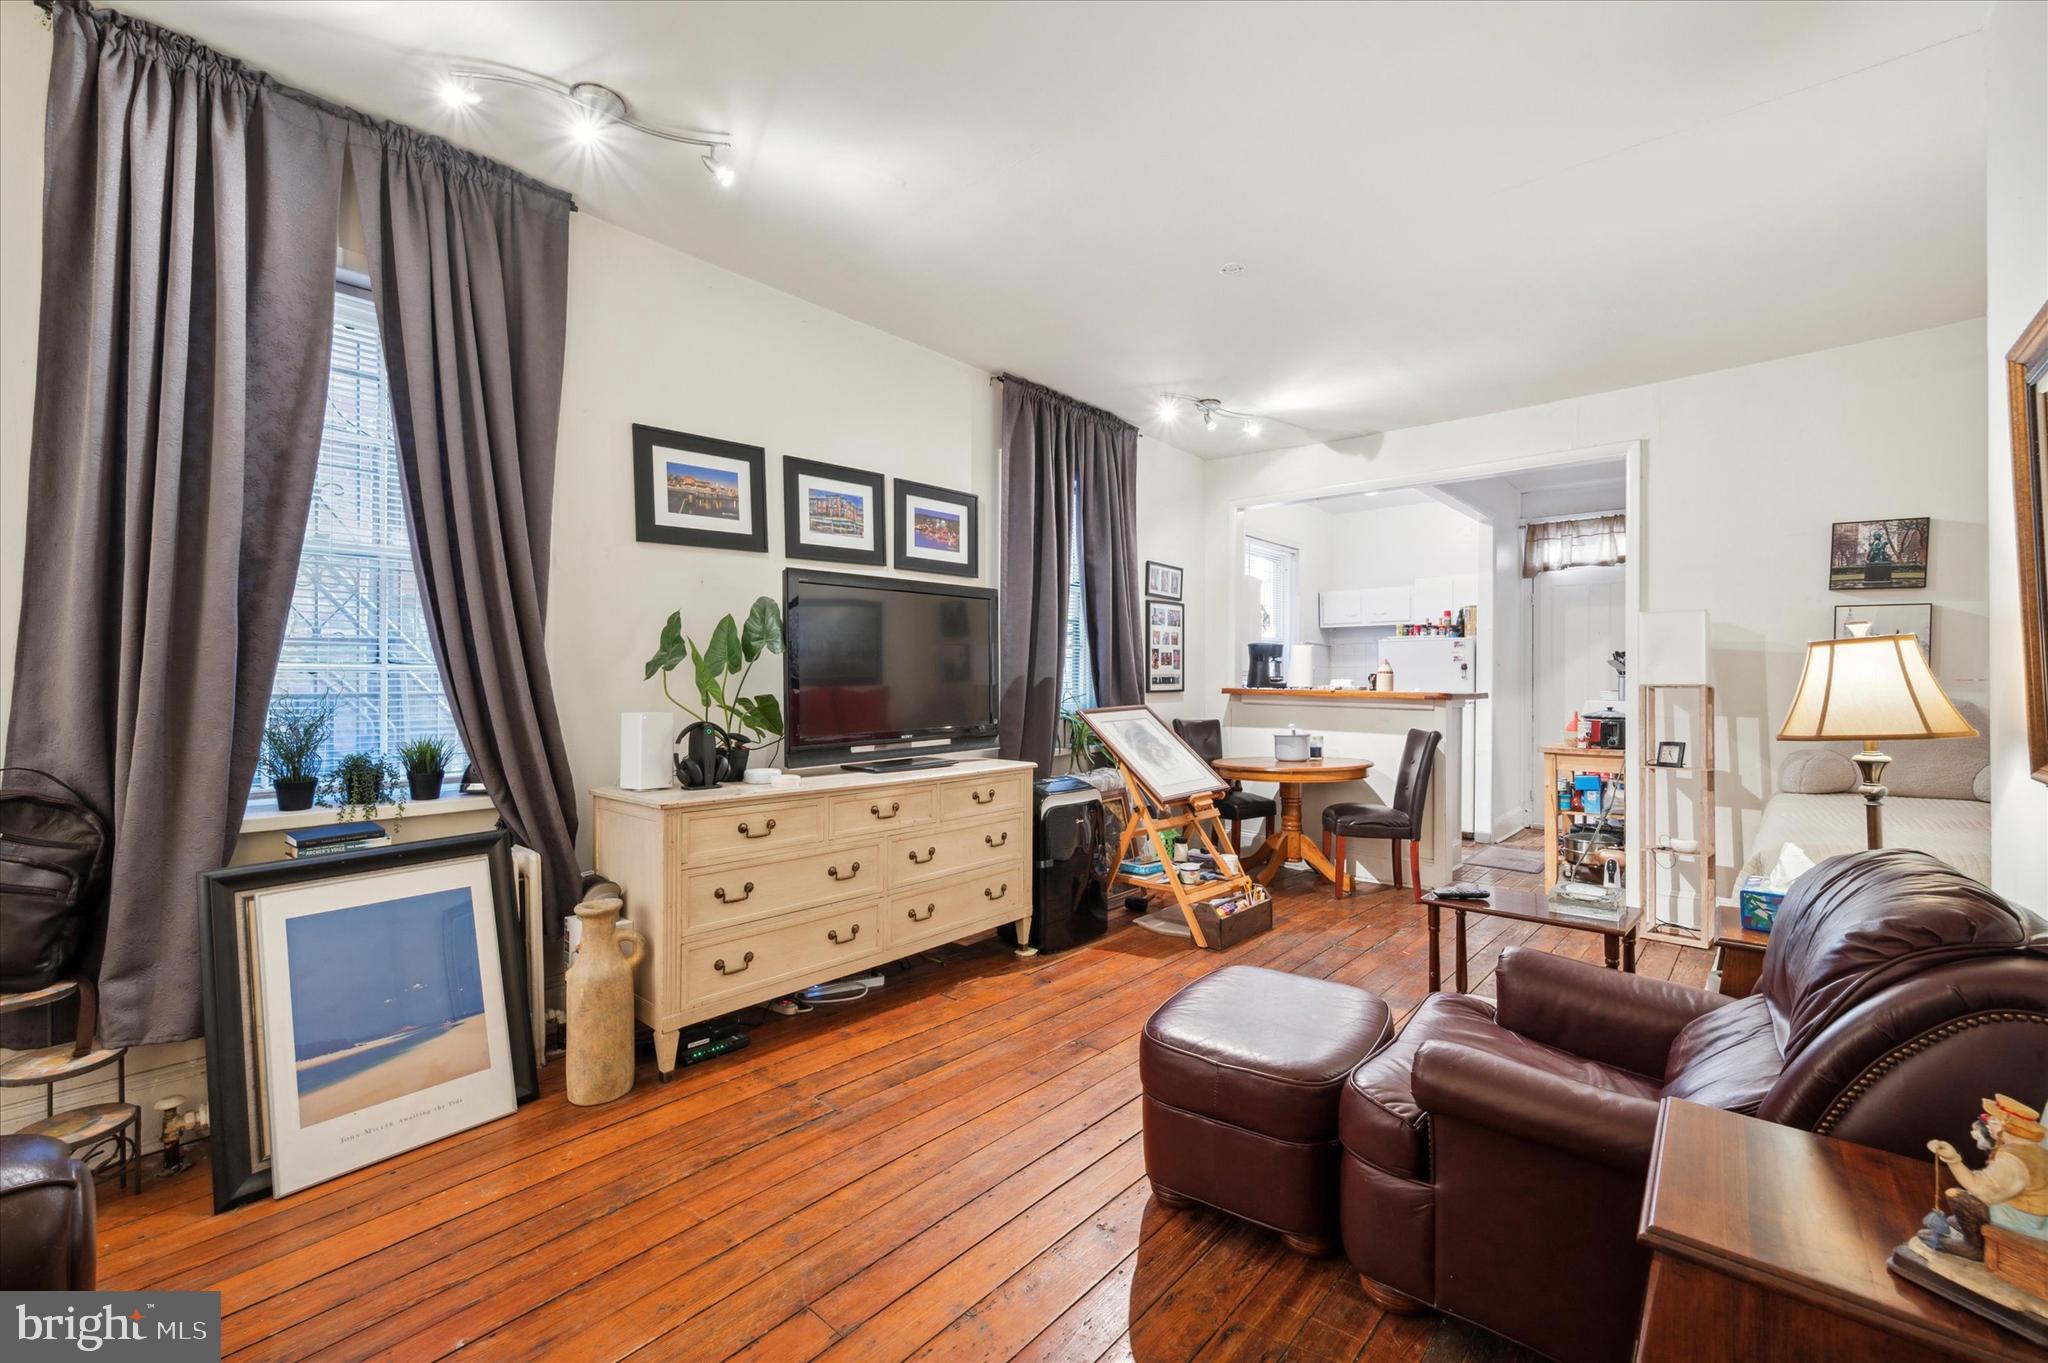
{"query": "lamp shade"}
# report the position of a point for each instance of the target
(1877, 688)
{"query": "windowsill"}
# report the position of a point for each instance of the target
(265, 817)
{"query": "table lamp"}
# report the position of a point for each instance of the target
(1871, 690)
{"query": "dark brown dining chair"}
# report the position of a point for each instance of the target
(1400, 822)
(1205, 736)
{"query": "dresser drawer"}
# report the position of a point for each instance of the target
(718, 896)
(763, 830)
(974, 799)
(950, 849)
(946, 909)
(856, 816)
(806, 951)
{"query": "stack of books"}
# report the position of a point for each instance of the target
(335, 837)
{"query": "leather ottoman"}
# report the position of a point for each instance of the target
(1242, 1071)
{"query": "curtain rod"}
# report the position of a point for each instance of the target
(1574, 516)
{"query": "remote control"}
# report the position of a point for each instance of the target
(1467, 892)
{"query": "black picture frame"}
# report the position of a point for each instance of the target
(908, 559)
(1880, 554)
(1166, 642)
(648, 526)
(1163, 581)
(224, 968)
(793, 546)
(1670, 753)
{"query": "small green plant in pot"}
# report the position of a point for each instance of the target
(426, 766)
(750, 721)
(292, 735)
(359, 784)
(1084, 750)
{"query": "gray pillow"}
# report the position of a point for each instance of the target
(1980, 788)
(1817, 771)
(1940, 768)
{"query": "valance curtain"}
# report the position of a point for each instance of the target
(1063, 459)
(1583, 542)
(189, 222)
(469, 264)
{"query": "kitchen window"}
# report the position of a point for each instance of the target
(1273, 565)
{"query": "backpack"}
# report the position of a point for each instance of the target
(53, 855)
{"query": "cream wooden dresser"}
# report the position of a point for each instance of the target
(746, 893)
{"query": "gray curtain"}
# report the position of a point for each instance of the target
(469, 264)
(189, 223)
(1061, 457)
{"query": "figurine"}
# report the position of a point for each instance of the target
(2010, 1191)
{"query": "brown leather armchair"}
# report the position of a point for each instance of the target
(1495, 1155)
(46, 1218)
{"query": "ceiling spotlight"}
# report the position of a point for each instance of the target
(1211, 411)
(1168, 410)
(594, 109)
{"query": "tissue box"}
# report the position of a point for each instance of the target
(1759, 903)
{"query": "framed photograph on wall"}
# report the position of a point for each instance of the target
(1152, 753)
(1866, 555)
(1162, 580)
(833, 513)
(1165, 643)
(357, 1006)
(700, 491)
(1865, 622)
(937, 530)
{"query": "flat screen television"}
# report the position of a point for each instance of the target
(884, 668)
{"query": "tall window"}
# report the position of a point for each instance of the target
(357, 634)
(1077, 670)
(1273, 566)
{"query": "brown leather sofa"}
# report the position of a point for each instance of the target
(46, 1218)
(1495, 1156)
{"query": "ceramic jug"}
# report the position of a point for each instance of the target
(600, 999)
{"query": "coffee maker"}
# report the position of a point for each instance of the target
(1269, 665)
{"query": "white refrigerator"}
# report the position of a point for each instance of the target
(1442, 663)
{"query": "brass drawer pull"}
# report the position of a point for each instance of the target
(746, 893)
(926, 916)
(770, 828)
(996, 894)
(982, 799)
(993, 841)
(851, 933)
(745, 962)
(894, 806)
(924, 860)
(833, 871)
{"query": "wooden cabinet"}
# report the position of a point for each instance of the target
(745, 893)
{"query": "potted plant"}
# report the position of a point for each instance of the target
(292, 735)
(359, 784)
(426, 766)
(747, 722)
(1085, 752)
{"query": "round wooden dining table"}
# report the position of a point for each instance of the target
(1287, 842)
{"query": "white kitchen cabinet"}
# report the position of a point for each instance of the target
(1345, 607)
(1387, 605)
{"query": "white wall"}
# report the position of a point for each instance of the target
(2016, 274)
(1393, 546)
(1744, 470)
(1170, 490)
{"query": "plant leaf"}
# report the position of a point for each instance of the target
(710, 686)
(724, 648)
(670, 651)
(767, 716)
(764, 628)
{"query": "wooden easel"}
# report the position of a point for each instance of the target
(1197, 816)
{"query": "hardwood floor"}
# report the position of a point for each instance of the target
(948, 1169)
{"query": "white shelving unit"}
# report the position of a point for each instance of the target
(1659, 785)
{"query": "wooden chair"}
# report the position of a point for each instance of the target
(1400, 822)
(1205, 736)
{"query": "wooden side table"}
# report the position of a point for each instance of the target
(1770, 1242)
(1738, 953)
(1558, 761)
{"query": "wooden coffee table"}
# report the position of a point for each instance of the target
(1528, 907)
(1287, 842)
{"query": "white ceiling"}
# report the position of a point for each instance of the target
(1442, 209)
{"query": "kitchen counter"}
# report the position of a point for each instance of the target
(1325, 693)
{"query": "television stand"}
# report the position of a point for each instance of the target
(882, 764)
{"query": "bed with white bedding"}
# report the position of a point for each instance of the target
(1956, 831)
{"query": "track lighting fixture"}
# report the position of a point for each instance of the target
(1211, 412)
(593, 111)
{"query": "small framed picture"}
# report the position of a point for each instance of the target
(1162, 580)
(1863, 622)
(937, 530)
(832, 513)
(696, 490)
(1878, 554)
(1671, 754)
(1163, 625)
